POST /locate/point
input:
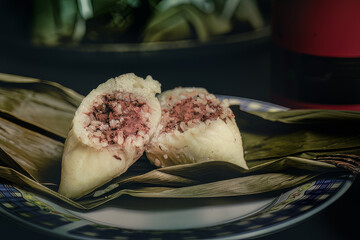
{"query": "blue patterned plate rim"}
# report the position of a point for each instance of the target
(289, 208)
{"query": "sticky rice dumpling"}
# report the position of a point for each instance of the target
(109, 132)
(195, 127)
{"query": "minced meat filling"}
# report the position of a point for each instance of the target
(189, 111)
(118, 116)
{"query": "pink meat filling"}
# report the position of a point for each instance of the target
(118, 116)
(190, 111)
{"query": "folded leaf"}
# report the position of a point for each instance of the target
(30, 152)
(282, 149)
(310, 116)
(44, 104)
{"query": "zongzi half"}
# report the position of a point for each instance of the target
(109, 132)
(195, 127)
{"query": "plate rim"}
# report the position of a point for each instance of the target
(263, 231)
(163, 46)
(298, 219)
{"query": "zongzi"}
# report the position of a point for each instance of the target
(109, 132)
(195, 127)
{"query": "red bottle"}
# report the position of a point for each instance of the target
(316, 54)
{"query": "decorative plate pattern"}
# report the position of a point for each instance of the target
(288, 208)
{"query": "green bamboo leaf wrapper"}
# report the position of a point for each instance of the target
(293, 132)
(213, 179)
(20, 179)
(44, 104)
(310, 116)
(30, 152)
(278, 147)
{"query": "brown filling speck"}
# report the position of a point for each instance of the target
(118, 116)
(191, 109)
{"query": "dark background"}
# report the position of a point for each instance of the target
(233, 69)
(240, 69)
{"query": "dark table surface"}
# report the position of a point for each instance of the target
(237, 69)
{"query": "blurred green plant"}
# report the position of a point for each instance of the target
(132, 21)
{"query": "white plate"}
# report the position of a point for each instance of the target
(208, 218)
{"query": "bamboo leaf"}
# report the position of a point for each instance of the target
(30, 152)
(310, 116)
(44, 104)
(282, 149)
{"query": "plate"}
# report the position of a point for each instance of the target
(258, 34)
(208, 218)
